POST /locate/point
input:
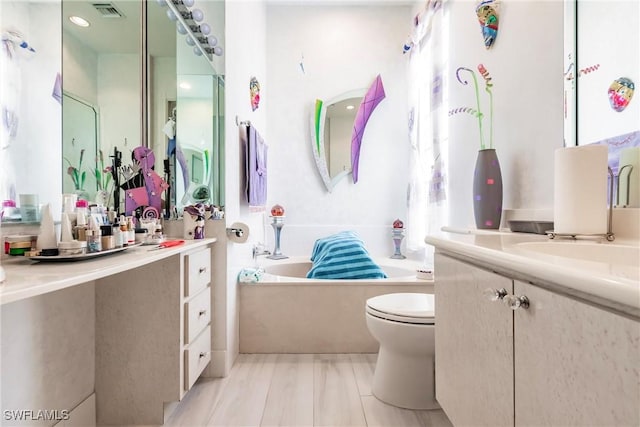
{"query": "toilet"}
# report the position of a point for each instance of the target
(404, 325)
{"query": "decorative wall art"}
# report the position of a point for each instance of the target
(487, 12)
(372, 98)
(620, 93)
(254, 93)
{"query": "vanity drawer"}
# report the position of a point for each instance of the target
(196, 357)
(198, 314)
(198, 271)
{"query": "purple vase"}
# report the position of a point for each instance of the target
(487, 190)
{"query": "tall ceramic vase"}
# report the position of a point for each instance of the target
(487, 190)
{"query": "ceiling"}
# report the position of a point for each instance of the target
(121, 34)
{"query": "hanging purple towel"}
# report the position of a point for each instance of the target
(256, 170)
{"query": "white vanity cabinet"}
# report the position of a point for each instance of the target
(474, 346)
(197, 311)
(153, 337)
(559, 361)
(575, 364)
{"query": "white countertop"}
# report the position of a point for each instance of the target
(615, 286)
(26, 278)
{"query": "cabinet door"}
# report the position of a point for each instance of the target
(474, 345)
(576, 364)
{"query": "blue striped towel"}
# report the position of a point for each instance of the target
(343, 256)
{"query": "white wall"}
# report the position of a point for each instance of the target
(245, 58)
(526, 66)
(344, 48)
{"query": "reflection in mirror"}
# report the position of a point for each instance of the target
(608, 50)
(606, 75)
(332, 128)
(186, 114)
(101, 65)
(30, 126)
(81, 131)
(194, 135)
(338, 127)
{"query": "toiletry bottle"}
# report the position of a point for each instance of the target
(94, 239)
(123, 230)
(117, 235)
(107, 237)
(79, 231)
(131, 231)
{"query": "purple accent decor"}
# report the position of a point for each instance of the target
(487, 204)
(374, 95)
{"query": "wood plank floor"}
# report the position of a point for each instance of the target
(296, 390)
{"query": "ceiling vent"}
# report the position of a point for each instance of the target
(108, 10)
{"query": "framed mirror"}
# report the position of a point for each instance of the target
(332, 128)
(337, 130)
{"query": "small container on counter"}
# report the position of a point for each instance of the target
(141, 235)
(117, 236)
(94, 241)
(73, 247)
(108, 241)
(17, 245)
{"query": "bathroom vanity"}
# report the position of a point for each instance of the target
(113, 340)
(536, 338)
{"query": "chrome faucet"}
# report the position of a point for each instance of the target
(258, 250)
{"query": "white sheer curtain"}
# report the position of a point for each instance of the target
(427, 192)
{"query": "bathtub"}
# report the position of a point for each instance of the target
(287, 313)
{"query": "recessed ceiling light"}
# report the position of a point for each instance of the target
(185, 85)
(80, 22)
(350, 107)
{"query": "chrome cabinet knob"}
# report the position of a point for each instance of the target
(202, 312)
(494, 294)
(202, 270)
(515, 302)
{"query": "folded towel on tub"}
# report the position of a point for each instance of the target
(343, 256)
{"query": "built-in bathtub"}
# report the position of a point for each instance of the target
(287, 313)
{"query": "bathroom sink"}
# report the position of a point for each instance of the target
(608, 253)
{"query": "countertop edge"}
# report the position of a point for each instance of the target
(600, 291)
(101, 267)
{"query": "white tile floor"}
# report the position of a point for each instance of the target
(296, 390)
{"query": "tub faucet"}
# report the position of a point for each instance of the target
(258, 249)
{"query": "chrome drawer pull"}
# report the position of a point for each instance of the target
(203, 354)
(202, 312)
(515, 302)
(494, 294)
(202, 270)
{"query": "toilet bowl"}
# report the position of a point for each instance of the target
(404, 325)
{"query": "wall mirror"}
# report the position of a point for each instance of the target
(31, 125)
(600, 48)
(103, 67)
(332, 127)
(337, 130)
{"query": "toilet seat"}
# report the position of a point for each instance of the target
(413, 308)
